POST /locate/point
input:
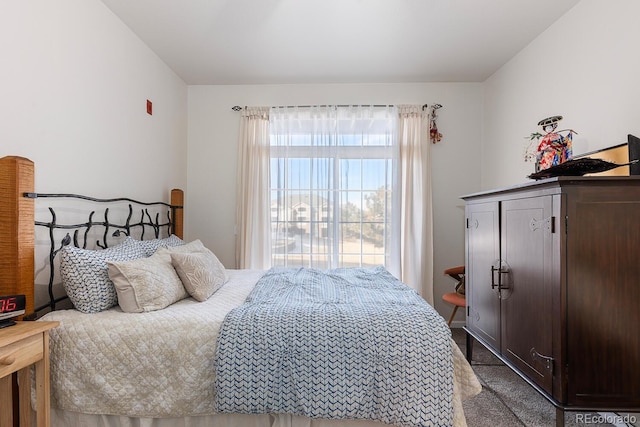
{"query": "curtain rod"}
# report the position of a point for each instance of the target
(239, 108)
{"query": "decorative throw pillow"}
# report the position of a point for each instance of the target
(151, 246)
(146, 284)
(202, 274)
(85, 276)
(194, 246)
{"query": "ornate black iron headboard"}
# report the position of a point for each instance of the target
(156, 220)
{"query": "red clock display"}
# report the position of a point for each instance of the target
(8, 304)
(11, 306)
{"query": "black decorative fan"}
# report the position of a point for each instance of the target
(578, 167)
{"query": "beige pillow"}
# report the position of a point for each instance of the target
(146, 284)
(201, 273)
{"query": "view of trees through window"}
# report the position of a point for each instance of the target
(331, 204)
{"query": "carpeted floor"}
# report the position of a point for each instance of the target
(508, 401)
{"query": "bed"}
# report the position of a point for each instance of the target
(250, 348)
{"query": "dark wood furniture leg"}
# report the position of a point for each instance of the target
(559, 417)
(469, 346)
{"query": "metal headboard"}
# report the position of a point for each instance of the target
(150, 223)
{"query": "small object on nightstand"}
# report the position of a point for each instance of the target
(11, 306)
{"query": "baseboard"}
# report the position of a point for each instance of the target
(458, 324)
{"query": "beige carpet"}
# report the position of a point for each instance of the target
(508, 401)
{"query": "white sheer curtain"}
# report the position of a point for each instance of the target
(333, 172)
(253, 233)
(416, 246)
(328, 187)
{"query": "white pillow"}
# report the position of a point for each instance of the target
(146, 284)
(85, 276)
(201, 272)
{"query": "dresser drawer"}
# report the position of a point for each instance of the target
(20, 354)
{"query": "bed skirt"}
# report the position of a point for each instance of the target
(61, 418)
(465, 386)
(72, 419)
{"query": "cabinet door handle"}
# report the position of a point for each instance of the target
(503, 278)
(493, 281)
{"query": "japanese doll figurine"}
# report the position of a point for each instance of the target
(554, 147)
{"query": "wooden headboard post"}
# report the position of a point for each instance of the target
(16, 229)
(177, 199)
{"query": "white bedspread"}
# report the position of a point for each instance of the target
(160, 364)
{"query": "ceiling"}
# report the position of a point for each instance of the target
(336, 41)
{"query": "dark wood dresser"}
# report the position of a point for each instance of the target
(553, 287)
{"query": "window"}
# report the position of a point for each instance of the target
(332, 177)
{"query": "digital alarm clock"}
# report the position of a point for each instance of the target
(11, 306)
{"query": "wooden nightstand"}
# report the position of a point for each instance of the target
(21, 346)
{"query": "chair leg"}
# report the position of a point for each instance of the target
(453, 314)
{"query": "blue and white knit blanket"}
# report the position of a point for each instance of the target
(338, 344)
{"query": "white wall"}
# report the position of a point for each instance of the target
(74, 82)
(213, 137)
(585, 67)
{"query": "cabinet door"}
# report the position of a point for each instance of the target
(483, 249)
(526, 299)
(603, 298)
